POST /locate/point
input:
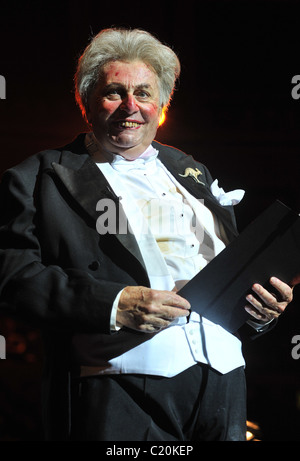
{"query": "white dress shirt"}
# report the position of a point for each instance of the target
(177, 236)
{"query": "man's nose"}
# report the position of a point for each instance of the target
(129, 104)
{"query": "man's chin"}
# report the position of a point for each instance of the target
(127, 149)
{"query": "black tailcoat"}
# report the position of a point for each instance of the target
(59, 273)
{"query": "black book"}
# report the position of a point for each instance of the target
(269, 246)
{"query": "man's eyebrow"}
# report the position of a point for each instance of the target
(143, 85)
(112, 85)
(120, 85)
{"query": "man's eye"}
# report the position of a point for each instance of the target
(112, 93)
(143, 94)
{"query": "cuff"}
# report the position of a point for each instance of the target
(113, 316)
(259, 327)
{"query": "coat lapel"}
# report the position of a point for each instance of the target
(177, 167)
(87, 185)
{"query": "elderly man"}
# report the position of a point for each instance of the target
(97, 237)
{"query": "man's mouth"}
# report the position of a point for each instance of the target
(129, 124)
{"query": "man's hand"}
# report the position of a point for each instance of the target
(266, 306)
(147, 310)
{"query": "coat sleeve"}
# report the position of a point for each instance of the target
(68, 300)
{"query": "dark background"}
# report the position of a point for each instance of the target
(233, 111)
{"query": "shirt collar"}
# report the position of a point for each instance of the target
(149, 155)
(116, 160)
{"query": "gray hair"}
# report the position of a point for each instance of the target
(125, 45)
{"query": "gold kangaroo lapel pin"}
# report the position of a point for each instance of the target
(194, 173)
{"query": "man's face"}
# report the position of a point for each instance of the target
(124, 109)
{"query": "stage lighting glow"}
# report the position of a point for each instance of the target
(162, 117)
(253, 432)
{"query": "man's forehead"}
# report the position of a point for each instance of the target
(131, 74)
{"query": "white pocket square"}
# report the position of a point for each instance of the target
(226, 198)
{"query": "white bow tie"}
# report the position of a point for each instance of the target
(119, 163)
